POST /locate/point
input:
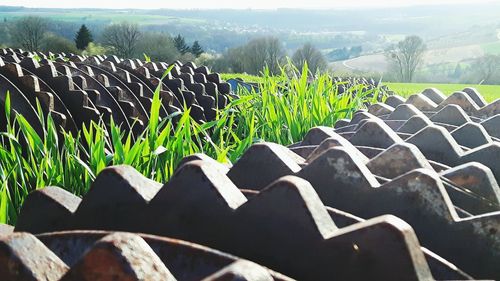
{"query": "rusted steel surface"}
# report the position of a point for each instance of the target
(119, 256)
(6, 229)
(285, 226)
(77, 90)
(99, 255)
(19, 105)
(23, 257)
(34, 88)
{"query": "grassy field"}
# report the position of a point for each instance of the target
(98, 15)
(244, 76)
(490, 92)
(492, 48)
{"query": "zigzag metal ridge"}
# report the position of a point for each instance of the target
(434, 141)
(201, 204)
(431, 100)
(430, 202)
(100, 255)
(408, 120)
(32, 87)
(429, 194)
(77, 90)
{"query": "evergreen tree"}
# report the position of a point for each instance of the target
(83, 37)
(196, 49)
(180, 44)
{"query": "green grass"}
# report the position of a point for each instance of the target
(244, 76)
(489, 92)
(113, 16)
(279, 113)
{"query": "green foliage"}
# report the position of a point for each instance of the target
(57, 44)
(252, 57)
(83, 37)
(158, 47)
(187, 57)
(206, 59)
(287, 107)
(37, 58)
(94, 49)
(196, 49)
(244, 76)
(122, 38)
(28, 32)
(180, 44)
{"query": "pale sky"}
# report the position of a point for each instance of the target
(236, 4)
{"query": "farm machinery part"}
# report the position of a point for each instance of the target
(405, 190)
(76, 90)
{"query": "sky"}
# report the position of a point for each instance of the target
(234, 4)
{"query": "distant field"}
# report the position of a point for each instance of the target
(77, 15)
(492, 48)
(244, 76)
(490, 92)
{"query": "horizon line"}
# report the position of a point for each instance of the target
(344, 7)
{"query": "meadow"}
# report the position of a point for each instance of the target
(99, 15)
(492, 48)
(244, 76)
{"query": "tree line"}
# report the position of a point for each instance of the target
(128, 40)
(124, 39)
(268, 52)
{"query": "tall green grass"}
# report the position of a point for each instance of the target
(287, 106)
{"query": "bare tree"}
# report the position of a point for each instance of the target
(157, 46)
(310, 55)
(28, 32)
(261, 52)
(123, 38)
(406, 56)
(232, 60)
(487, 69)
(252, 57)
